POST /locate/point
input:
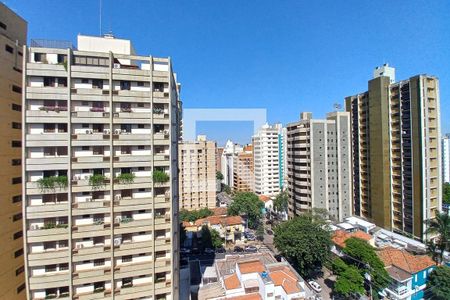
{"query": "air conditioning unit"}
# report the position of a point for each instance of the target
(118, 219)
(118, 197)
(34, 227)
(117, 131)
(117, 241)
(86, 177)
(90, 131)
(88, 199)
(80, 246)
(116, 66)
(87, 131)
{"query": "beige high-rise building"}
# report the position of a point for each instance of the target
(319, 165)
(197, 174)
(100, 171)
(243, 170)
(396, 151)
(13, 35)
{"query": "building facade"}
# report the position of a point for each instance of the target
(446, 158)
(197, 174)
(243, 170)
(229, 153)
(397, 152)
(268, 160)
(319, 166)
(13, 35)
(100, 171)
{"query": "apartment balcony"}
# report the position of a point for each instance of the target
(48, 257)
(81, 254)
(89, 231)
(129, 204)
(90, 139)
(47, 163)
(36, 235)
(53, 280)
(82, 185)
(134, 292)
(131, 139)
(93, 206)
(91, 117)
(91, 275)
(94, 295)
(89, 94)
(128, 225)
(132, 118)
(138, 182)
(47, 139)
(57, 115)
(47, 93)
(47, 210)
(86, 162)
(132, 248)
(133, 269)
(43, 69)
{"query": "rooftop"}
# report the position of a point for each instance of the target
(254, 266)
(232, 282)
(340, 236)
(404, 260)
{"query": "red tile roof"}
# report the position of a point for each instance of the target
(252, 296)
(254, 266)
(340, 236)
(264, 198)
(233, 220)
(232, 282)
(220, 211)
(285, 278)
(404, 260)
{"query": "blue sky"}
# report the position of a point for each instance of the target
(285, 56)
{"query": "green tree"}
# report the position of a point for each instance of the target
(206, 237)
(363, 252)
(303, 241)
(440, 225)
(349, 283)
(219, 175)
(260, 232)
(338, 266)
(193, 215)
(439, 283)
(226, 189)
(247, 203)
(446, 193)
(216, 240)
(281, 202)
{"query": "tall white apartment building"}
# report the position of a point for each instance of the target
(446, 158)
(227, 164)
(268, 159)
(100, 171)
(319, 165)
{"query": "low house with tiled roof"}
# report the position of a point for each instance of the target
(409, 273)
(339, 238)
(254, 277)
(268, 202)
(230, 228)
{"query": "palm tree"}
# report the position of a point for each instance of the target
(440, 226)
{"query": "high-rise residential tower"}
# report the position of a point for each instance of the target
(397, 152)
(446, 158)
(13, 35)
(228, 154)
(197, 174)
(319, 165)
(268, 159)
(100, 138)
(243, 170)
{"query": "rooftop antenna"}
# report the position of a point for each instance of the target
(100, 11)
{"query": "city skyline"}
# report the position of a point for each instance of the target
(290, 46)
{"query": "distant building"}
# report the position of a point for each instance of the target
(268, 159)
(197, 164)
(243, 170)
(227, 164)
(230, 228)
(252, 277)
(409, 273)
(319, 165)
(446, 158)
(219, 152)
(396, 151)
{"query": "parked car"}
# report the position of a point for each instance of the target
(251, 249)
(185, 251)
(315, 286)
(195, 251)
(238, 249)
(220, 250)
(250, 237)
(208, 251)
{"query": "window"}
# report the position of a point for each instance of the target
(50, 268)
(3, 25)
(140, 83)
(49, 127)
(99, 262)
(84, 80)
(85, 148)
(61, 58)
(18, 253)
(16, 125)
(18, 235)
(16, 162)
(125, 85)
(17, 199)
(9, 49)
(140, 105)
(141, 126)
(21, 288)
(20, 270)
(49, 81)
(17, 89)
(16, 107)
(97, 83)
(16, 180)
(127, 258)
(17, 217)
(49, 245)
(63, 267)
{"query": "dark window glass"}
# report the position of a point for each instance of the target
(16, 144)
(3, 25)
(16, 180)
(18, 235)
(16, 162)
(9, 48)
(16, 107)
(21, 288)
(18, 253)
(16, 199)
(20, 270)
(17, 217)
(16, 125)
(17, 89)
